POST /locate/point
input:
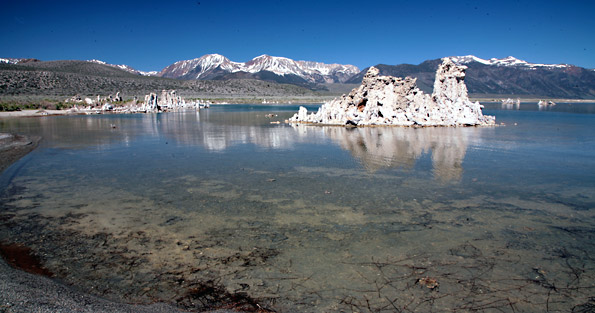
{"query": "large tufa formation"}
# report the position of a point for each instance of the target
(388, 100)
(168, 100)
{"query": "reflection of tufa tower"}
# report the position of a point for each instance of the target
(397, 147)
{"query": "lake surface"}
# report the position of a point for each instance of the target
(222, 208)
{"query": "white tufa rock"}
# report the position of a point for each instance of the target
(388, 100)
(150, 104)
(169, 101)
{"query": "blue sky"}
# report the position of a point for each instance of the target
(149, 35)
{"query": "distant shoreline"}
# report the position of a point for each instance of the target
(531, 100)
(41, 113)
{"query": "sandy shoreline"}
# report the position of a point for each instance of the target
(25, 292)
(32, 113)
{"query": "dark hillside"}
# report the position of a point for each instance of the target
(68, 78)
(75, 67)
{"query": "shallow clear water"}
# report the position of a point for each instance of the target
(309, 218)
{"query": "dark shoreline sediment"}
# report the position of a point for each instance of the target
(26, 292)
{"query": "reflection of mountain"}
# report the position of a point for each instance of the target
(397, 147)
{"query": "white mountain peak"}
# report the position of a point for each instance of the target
(214, 58)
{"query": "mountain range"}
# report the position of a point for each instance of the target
(503, 77)
(264, 67)
(485, 77)
(27, 82)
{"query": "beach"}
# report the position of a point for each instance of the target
(21, 291)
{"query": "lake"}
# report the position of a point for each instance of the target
(223, 209)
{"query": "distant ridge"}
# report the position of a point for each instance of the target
(125, 68)
(506, 76)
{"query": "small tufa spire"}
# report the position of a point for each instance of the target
(372, 72)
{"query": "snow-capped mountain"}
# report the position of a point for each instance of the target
(507, 76)
(508, 61)
(125, 68)
(16, 61)
(216, 66)
(199, 68)
(10, 60)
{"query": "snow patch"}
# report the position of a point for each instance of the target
(97, 62)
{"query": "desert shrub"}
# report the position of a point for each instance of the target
(9, 107)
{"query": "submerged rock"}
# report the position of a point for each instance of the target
(388, 100)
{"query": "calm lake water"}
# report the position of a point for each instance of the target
(214, 208)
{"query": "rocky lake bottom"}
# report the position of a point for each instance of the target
(222, 209)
